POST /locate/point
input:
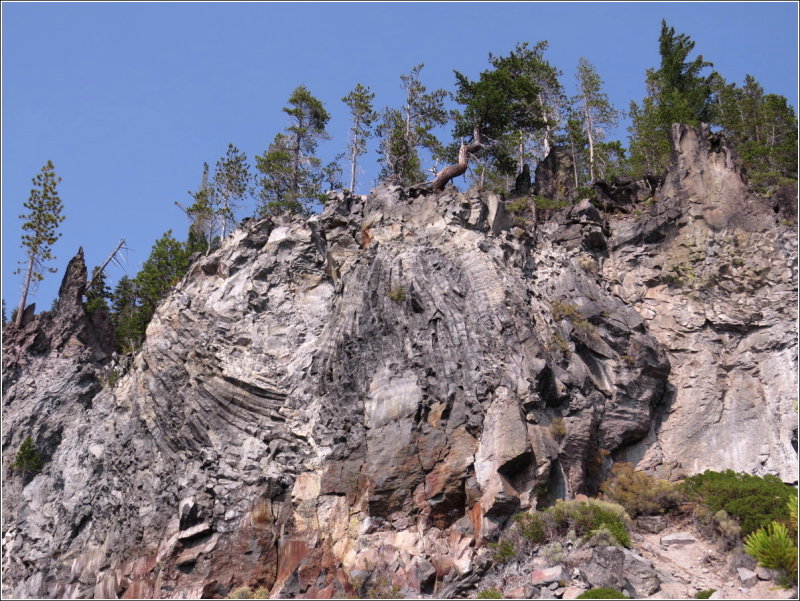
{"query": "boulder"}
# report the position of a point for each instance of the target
(747, 577)
(677, 539)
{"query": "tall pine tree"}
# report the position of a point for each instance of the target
(404, 132)
(204, 224)
(292, 175)
(231, 185)
(363, 117)
(549, 104)
(597, 115)
(41, 230)
(99, 293)
(678, 92)
(497, 105)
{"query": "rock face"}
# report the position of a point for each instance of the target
(367, 395)
(714, 275)
(555, 177)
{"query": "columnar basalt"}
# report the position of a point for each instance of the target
(363, 397)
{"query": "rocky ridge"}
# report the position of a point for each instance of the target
(376, 389)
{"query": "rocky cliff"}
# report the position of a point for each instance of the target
(372, 392)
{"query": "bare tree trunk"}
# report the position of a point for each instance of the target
(590, 136)
(453, 171)
(21, 307)
(574, 160)
(107, 261)
(353, 172)
(547, 128)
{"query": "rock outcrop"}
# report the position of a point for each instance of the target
(713, 273)
(367, 395)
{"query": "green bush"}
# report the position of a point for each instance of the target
(585, 192)
(558, 429)
(639, 493)
(559, 344)
(489, 593)
(548, 204)
(27, 461)
(602, 593)
(532, 526)
(503, 551)
(585, 518)
(773, 548)
(755, 501)
(705, 594)
(518, 205)
(112, 377)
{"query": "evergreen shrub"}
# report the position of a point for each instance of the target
(602, 593)
(754, 501)
(27, 461)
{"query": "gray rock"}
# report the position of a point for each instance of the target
(747, 577)
(549, 576)
(677, 538)
(605, 568)
(693, 266)
(641, 577)
(651, 523)
(765, 573)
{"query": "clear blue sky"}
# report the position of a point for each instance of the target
(129, 99)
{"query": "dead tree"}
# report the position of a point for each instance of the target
(460, 168)
(112, 256)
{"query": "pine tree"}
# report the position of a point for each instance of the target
(677, 93)
(596, 112)
(166, 265)
(41, 226)
(548, 105)
(27, 462)
(497, 105)
(398, 160)
(5, 320)
(574, 138)
(403, 132)
(134, 300)
(275, 187)
(98, 295)
(292, 174)
(128, 327)
(762, 128)
(201, 213)
(231, 184)
(363, 116)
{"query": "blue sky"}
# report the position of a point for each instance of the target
(129, 99)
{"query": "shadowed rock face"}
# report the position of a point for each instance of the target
(372, 390)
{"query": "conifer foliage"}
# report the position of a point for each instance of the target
(678, 92)
(134, 300)
(292, 174)
(40, 229)
(231, 185)
(363, 116)
(597, 115)
(404, 132)
(27, 461)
